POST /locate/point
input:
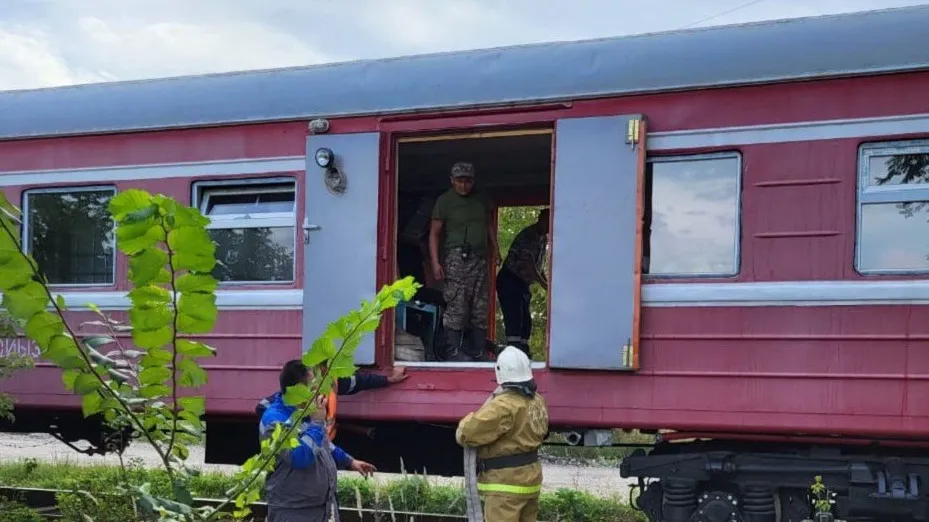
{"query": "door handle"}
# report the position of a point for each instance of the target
(307, 228)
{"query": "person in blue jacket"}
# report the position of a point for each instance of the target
(303, 485)
(350, 386)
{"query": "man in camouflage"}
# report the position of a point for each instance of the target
(522, 268)
(460, 259)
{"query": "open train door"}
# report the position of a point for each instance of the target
(340, 233)
(596, 243)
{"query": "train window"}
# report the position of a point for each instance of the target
(254, 227)
(893, 208)
(691, 222)
(69, 232)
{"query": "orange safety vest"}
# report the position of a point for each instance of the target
(330, 414)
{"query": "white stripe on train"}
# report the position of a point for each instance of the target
(672, 140)
(697, 295)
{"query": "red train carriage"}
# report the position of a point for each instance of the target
(737, 253)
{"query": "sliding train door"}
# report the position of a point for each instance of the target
(596, 243)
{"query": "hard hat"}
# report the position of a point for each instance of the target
(513, 365)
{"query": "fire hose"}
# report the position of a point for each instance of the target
(472, 497)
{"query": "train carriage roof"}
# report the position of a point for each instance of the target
(745, 54)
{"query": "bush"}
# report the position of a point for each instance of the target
(16, 512)
(410, 493)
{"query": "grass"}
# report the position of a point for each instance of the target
(408, 493)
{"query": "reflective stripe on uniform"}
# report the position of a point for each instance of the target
(507, 488)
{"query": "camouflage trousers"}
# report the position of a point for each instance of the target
(465, 291)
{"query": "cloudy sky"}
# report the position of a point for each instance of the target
(57, 42)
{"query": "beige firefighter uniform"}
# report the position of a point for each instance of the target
(507, 432)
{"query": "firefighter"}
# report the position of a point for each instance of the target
(460, 260)
(506, 433)
(522, 268)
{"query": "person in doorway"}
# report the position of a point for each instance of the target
(507, 432)
(460, 260)
(303, 483)
(522, 268)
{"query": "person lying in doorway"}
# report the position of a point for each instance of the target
(522, 268)
(347, 386)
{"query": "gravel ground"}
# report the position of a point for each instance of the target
(604, 481)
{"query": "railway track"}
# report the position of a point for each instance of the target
(44, 501)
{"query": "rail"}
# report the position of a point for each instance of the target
(44, 501)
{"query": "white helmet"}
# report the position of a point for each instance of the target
(513, 365)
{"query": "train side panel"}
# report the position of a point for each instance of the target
(711, 345)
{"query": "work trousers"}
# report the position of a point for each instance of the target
(499, 507)
(514, 297)
(465, 291)
(321, 514)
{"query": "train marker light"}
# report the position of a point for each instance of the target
(324, 157)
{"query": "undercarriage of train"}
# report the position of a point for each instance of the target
(722, 481)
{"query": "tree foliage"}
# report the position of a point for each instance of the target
(9, 364)
(150, 387)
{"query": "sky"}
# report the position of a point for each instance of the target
(46, 43)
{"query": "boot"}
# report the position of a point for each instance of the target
(478, 345)
(454, 352)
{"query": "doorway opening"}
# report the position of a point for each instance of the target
(512, 175)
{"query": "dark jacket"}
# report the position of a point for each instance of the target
(346, 386)
(304, 479)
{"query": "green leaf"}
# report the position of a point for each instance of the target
(194, 405)
(135, 237)
(189, 217)
(181, 452)
(143, 214)
(191, 374)
(189, 283)
(194, 349)
(152, 338)
(86, 383)
(60, 347)
(193, 249)
(68, 377)
(146, 266)
(369, 326)
(296, 395)
(91, 403)
(129, 201)
(14, 268)
(24, 301)
(343, 365)
(60, 301)
(198, 313)
(42, 326)
(152, 391)
(149, 296)
(154, 375)
(156, 357)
